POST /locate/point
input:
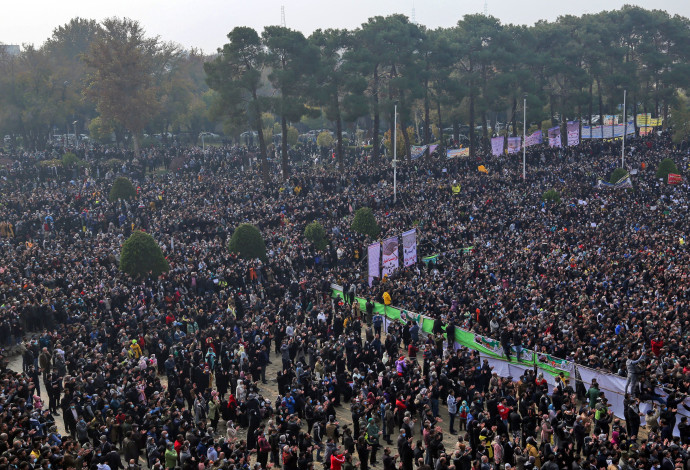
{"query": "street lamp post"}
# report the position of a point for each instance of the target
(524, 136)
(75, 133)
(395, 154)
(625, 130)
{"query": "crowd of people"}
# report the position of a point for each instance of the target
(230, 363)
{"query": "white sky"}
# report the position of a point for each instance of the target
(205, 23)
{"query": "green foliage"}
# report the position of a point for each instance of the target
(617, 174)
(365, 223)
(400, 144)
(236, 74)
(680, 119)
(69, 160)
(324, 139)
(666, 166)
(293, 135)
(122, 189)
(551, 196)
(100, 130)
(141, 256)
(315, 233)
(247, 242)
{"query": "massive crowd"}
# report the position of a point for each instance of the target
(172, 372)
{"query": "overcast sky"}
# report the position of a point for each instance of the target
(205, 23)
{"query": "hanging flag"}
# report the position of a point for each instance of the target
(533, 139)
(374, 254)
(573, 133)
(514, 144)
(432, 148)
(409, 240)
(555, 137)
(673, 178)
(454, 153)
(390, 256)
(416, 151)
(482, 169)
(497, 146)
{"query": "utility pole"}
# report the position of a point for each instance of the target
(524, 136)
(395, 154)
(625, 130)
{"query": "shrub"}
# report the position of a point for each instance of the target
(365, 223)
(122, 189)
(551, 196)
(141, 256)
(324, 139)
(617, 174)
(69, 159)
(315, 233)
(666, 166)
(248, 242)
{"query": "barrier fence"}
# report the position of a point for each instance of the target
(612, 385)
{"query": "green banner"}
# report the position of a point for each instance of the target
(483, 344)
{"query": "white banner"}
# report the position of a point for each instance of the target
(390, 255)
(409, 240)
(374, 253)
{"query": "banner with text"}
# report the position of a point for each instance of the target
(533, 139)
(374, 254)
(607, 132)
(573, 132)
(409, 240)
(455, 153)
(390, 255)
(514, 144)
(416, 151)
(555, 137)
(497, 146)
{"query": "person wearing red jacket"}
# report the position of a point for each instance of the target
(337, 461)
(657, 345)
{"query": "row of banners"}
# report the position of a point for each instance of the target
(384, 256)
(514, 144)
(610, 130)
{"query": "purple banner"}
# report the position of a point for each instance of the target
(374, 253)
(390, 255)
(573, 133)
(555, 137)
(409, 240)
(514, 144)
(497, 146)
(533, 139)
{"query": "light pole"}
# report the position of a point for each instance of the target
(524, 136)
(395, 154)
(75, 133)
(625, 130)
(203, 143)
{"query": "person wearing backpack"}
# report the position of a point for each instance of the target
(463, 414)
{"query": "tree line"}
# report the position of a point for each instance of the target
(475, 74)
